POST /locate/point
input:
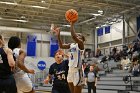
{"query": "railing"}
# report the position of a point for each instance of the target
(39, 77)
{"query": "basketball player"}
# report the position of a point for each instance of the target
(7, 63)
(76, 50)
(23, 82)
(59, 70)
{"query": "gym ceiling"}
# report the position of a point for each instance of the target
(40, 14)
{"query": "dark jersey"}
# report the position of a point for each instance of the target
(60, 72)
(5, 70)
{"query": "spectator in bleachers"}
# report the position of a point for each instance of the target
(135, 47)
(117, 57)
(125, 63)
(98, 52)
(121, 52)
(103, 59)
(125, 48)
(124, 52)
(138, 47)
(115, 54)
(134, 59)
(96, 68)
(135, 54)
(135, 67)
(130, 51)
(114, 50)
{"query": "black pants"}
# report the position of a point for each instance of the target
(91, 85)
(135, 73)
(8, 85)
(60, 89)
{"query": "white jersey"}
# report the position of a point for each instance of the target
(16, 54)
(23, 82)
(75, 56)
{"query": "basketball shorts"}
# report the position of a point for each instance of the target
(23, 82)
(8, 85)
(75, 76)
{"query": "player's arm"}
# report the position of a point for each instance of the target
(61, 44)
(75, 38)
(20, 62)
(86, 78)
(10, 58)
(96, 79)
(48, 78)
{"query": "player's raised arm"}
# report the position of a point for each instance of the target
(61, 44)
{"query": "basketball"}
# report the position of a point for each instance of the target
(71, 15)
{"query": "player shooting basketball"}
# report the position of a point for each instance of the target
(76, 50)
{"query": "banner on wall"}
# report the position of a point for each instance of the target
(107, 29)
(31, 45)
(100, 32)
(53, 45)
(41, 65)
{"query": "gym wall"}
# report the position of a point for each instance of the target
(114, 38)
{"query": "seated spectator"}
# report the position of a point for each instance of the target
(130, 50)
(138, 47)
(125, 48)
(117, 57)
(98, 53)
(134, 59)
(136, 68)
(135, 47)
(135, 54)
(125, 63)
(96, 68)
(114, 50)
(103, 59)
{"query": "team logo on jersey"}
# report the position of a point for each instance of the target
(71, 56)
(1, 61)
(61, 75)
(72, 50)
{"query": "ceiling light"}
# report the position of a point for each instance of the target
(23, 17)
(24, 21)
(100, 11)
(39, 7)
(104, 25)
(96, 14)
(42, 1)
(97, 27)
(111, 23)
(66, 25)
(9, 3)
(27, 5)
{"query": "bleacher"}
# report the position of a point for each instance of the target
(114, 82)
